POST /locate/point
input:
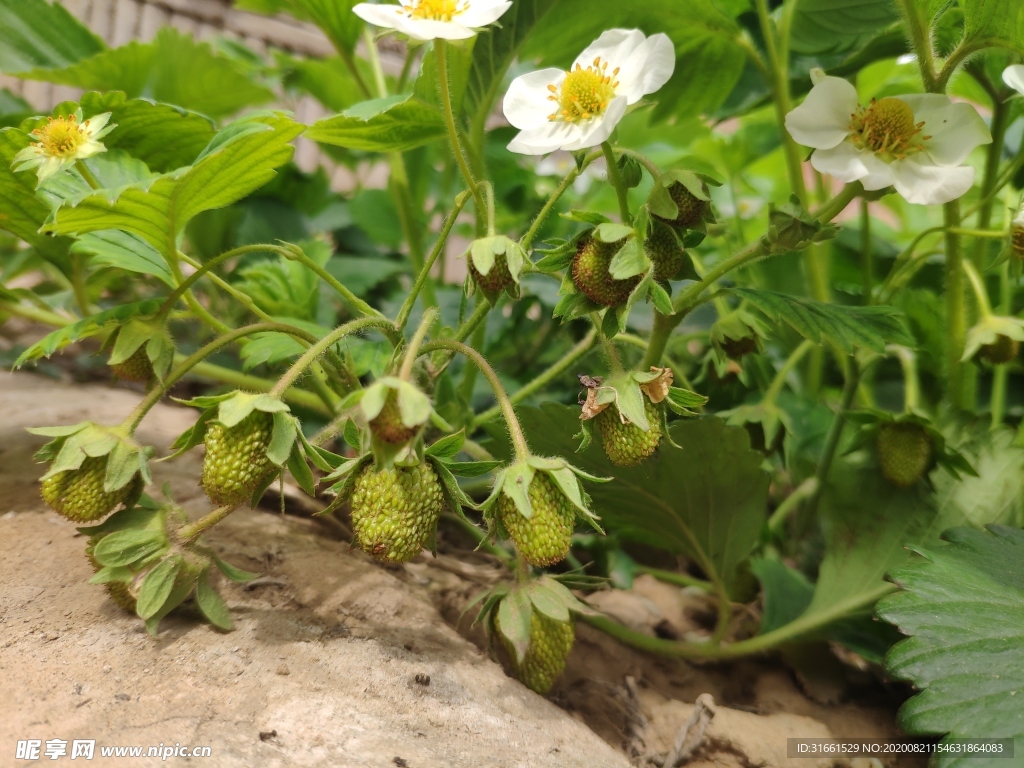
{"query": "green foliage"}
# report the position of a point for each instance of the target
(822, 26)
(121, 250)
(35, 33)
(391, 124)
(992, 23)
(174, 69)
(962, 606)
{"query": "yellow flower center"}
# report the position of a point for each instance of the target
(887, 128)
(585, 93)
(436, 10)
(61, 136)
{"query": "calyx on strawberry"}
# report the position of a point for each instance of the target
(495, 265)
(536, 501)
(664, 251)
(591, 275)
(94, 469)
(140, 350)
(533, 624)
(629, 412)
(995, 339)
(249, 439)
(737, 334)
(681, 199)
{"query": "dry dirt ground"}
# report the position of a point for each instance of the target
(336, 661)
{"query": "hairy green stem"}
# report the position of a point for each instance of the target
(424, 273)
(515, 431)
(412, 351)
(913, 13)
(480, 537)
(911, 384)
(1000, 375)
(1000, 117)
(296, 254)
(542, 215)
(582, 347)
(311, 354)
(956, 311)
(787, 367)
(192, 279)
(615, 178)
(867, 256)
(192, 531)
(806, 490)
(980, 293)
(295, 396)
(835, 433)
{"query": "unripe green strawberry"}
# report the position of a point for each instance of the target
(117, 590)
(236, 460)
(627, 444)
(665, 253)
(78, 494)
(395, 511)
(388, 426)
(497, 279)
(904, 453)
(136, 368)
(1003, 350)
(550, 644)
(691, 208)
(591, 276)
(546, 537)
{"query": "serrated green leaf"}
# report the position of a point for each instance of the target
(848, 327)
(391, 124)
(121, 250)
(128, 546)
(963, 607)
(212, 605)
(823, 26)
(990, 23)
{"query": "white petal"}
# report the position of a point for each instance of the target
(1013, 76)
(955, 130)
(50, 166)
(480, 13)
(597, 130)
(613, 46)
(547, 138)
(847, 163)
(95, 124)
(526, 104)
(930, 184)
(823, 120)
(428, 29)
(90, 148)
(648, 68)
(378, 15)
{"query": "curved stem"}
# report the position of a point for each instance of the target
(424, 273)
(614, 363)
(545, 210)
(35, 314)
(154, 395)
(429, 318)
(616, 181)
(787, 367)
(1000, 116)
(222, 375)
(90, 179)
(835, 433)
(801, 493)
(867, 256)
(911, 383)
(1001, 373)
(515, 431)
(837, 204)
(295, 253)
(574, 354)
(463, 332)
(441, 51)
(78, 284)
(980, 293)
(192, 531)
(192, 279)
(314, 352)
(645, 161)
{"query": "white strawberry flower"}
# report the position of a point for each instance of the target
(62, 142)
(580, 108)
(1013, 76)
(434, 19)
(916, 143)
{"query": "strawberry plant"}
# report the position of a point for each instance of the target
(751, 325)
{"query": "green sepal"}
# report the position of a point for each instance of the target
(211, 604)
(265, 483)
(585, 435)
(516, 485)
(630, 260)
(513, 616)
(127, 547)
(233, 573)
(792, 228)
(585, 217)
(193, 436)
(447, 447)
(112, 573)
(282, 438)
(471, 468)
(300, 470)
(454, 496)
(157, 586)
(681, 401)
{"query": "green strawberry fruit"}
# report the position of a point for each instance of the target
(388, 426)
(236, 462)
(1003, 350)
(78, 494)
(136, 368)
(545, 537)
(395, 511)
(691, 209)
(117, 590)
(904, 453)
(591, 276)
(550, 644)
(498, 279)
(627, 444)
(665, 252)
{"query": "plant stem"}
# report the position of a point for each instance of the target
(192, 279)
(90, 179)
(1001, 373)
(332, 338)
(295, 253)
(614, 363)
(867, 256)
(835, 433)
(429, 318)
(424, 273)
(574, 354)
(787, 367)
(616, 181)
(545, 210)
(804, 625)
(956, 310)
(980, 293)
(911, 384)
(194, 530)
(295, 396)
(35, 314)
(920, 38)
(806, 490)
(480, 536)
(405, 205)
(441, 51)
(154, 395)
(1000, 115)
(679, 579)
(78, 282)
(515, 431)
(483, 308)
(838, 204)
